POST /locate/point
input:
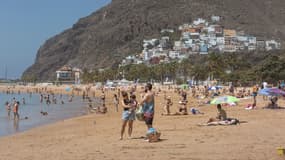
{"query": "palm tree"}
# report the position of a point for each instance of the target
(215, 65)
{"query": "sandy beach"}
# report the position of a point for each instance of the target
(96, 136)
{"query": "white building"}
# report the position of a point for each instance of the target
(215, 18)
(174, 54)
(272, 45)
(220, 40)
(199, 21)
(68, 74)
(252, 47)
(252, 40)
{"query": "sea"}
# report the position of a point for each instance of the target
(30, 112)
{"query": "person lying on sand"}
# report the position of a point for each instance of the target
(229, 121)
(221, 119)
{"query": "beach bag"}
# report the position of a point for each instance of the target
(140, 113)
(153, 135)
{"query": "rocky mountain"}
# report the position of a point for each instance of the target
(103, 38)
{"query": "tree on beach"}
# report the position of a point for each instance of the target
(87, 76)
(244, 68)
(215, 65)
(271, 69)
(171, 69)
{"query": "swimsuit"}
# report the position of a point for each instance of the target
(148, 109)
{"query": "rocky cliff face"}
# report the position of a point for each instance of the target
(103, 38)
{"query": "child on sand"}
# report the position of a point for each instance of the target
(133, 103)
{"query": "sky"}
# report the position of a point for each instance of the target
(26, 24)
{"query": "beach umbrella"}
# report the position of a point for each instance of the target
(276, 92)
(264, 92)
(271, 92)
(224, 99)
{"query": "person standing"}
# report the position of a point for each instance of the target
(232, 90)
(116, 102)
(183, 103)
(41, 98)
(23, 101)
(16, 110)
(167, 105)
(254, 93)
(264, 86)
(128, 116)
(103, 98)
(148, 105)
(8, 108)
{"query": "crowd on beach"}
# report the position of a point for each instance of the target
(137, 102)
(202, 95)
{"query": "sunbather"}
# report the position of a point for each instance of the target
(221, 116)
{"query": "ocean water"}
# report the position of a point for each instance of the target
(32, 109)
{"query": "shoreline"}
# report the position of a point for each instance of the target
(48, 125)
(83, 109)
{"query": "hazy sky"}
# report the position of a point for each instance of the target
(26, 24)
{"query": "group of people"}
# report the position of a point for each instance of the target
(130, 104)
(182, 109)
(14, 105)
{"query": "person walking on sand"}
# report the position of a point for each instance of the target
(16, 110)
(128, 116)
(148, 105)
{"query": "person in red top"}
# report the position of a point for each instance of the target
(16, 110)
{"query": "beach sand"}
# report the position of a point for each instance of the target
(96, 136)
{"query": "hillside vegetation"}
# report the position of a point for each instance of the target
(104, 38)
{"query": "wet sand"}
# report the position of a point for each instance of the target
(96, 136)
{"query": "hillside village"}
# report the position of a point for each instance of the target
(199, 37)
